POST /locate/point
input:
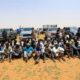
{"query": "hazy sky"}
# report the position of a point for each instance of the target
(14, 13)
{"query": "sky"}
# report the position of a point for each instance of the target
(35, 13)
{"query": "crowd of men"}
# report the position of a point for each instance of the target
(42, 46)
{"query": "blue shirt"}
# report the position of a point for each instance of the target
(28, 49)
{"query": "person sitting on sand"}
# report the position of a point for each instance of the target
(15, 51)
(27, 52)
(38, 52)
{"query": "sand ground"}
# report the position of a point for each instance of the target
(59, 70)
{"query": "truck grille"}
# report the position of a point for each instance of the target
(27, 35)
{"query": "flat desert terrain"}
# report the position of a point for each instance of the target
(59, 70)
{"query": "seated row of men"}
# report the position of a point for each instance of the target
(54, 49)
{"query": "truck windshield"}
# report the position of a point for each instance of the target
(74, 29)
(1, 30)
(27, 29)
(8, 30)
(52, 29)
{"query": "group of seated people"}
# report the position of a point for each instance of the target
(53, 48)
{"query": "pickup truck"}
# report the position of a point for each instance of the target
(26, 33)
(10, 33)
(74, 30)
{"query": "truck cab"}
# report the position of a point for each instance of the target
(26, 33)
(10, 33)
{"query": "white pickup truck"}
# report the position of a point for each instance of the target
(26, 33)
